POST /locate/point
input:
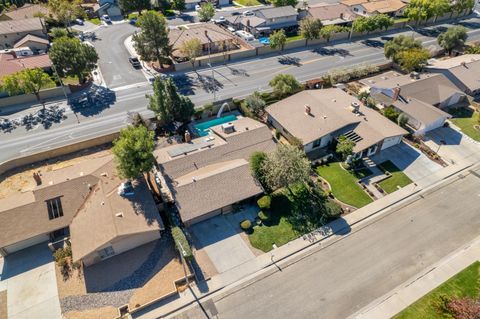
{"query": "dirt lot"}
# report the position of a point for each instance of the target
(105, 312)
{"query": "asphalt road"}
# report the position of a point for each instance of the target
(237, 79)
(340, 279)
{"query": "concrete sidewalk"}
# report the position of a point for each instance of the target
(392, 303)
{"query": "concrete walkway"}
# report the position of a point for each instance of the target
(418, 286)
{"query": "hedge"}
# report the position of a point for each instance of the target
(181, 242)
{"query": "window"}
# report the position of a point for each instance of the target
(355, 9)
(54, 207)
(316, 143)
(106, 252)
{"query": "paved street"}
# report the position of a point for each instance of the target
(340, 279)
(237, 79)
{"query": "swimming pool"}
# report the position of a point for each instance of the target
(202, 129)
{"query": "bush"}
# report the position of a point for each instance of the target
(181, 242)
(61, 254)
(277, 134)
(264, 216)
(264, 202)
(246, 225)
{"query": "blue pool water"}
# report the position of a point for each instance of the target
(264, 40)
(203, 128)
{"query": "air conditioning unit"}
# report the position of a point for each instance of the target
(228, 128)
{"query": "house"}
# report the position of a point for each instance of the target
(12, 31)
(10, 63)
(331, 13)
(462, 70)
(318, 117)
(434, 89)
(27, 11)
(34, 43)
(109, 7)
(209, 174)
(213, 38)
(393, 8)
(267, 20)
(86, 202)
(190, 4)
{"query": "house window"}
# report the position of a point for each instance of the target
(54, 207)
(316, 143)
(355, 9)
(106, 252)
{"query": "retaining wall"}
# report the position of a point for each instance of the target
(30, 98)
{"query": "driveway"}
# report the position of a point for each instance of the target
(453, 146)
(411, 161)
(220, 238)
(29, 278)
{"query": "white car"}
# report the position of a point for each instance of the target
(197, 7)
(248, 13)
(219, 20)
(106, 18)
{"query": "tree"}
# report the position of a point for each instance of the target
(454, 37)
(440, 7)
(422, 10)
(327, 31)
(257, 160)
(178, 5)
(285, 166)
(152, 42)
(402, 119)
(277, 39)
(382, 21)
(206, 12)
(372, 23)
(28, 81)
(192, 49)
(56, 33)
(73, 58)
(413, 59)
(344, 146)
(182, 107)
(391, 114)
(255, 103)
(65, 11)
(133, 151)
(461, 5)
(282, 3)
(134, 5)
(310, 29)
(473, 50)
(399, 44)
(284, 84)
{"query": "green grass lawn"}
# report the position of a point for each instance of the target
(344, 185)
(294, 38)
(73, 80)
(362, 173)
(465, 284)
(398, 178)
(248, 3)
(465, 119)
(95, 21)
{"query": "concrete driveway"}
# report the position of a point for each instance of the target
(220, 238)
(411, 161)
(31, 284)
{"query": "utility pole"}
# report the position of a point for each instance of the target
(211, 68)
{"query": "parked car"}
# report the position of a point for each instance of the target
(231, 29)
(134, 61)
(248, 13)
(197, 7)
(162, 76)
(235, 13)
(133, 21)
(79, 21)
(220, 20)
(106, 19)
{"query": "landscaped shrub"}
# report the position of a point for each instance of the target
(61, 254)
(277, 134)
(332, 209)
(246, 225)
(181, 242)
(264, 216)
(264, 202)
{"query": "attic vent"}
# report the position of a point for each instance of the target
(119, 214)
(104, 174)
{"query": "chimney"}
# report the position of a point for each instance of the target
(37, 178)
(248, 23)
(341, 15)
(308, 109)
(188, 137)
(396, 93)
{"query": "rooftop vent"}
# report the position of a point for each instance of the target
(126, 189)
(37, 178)
(119, 214)
(354, 107)
(228, 128)
(308, 109)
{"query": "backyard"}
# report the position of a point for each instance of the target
(465, 284)
(468, 121)
(397, 179)
(247, 3)
(344, 184)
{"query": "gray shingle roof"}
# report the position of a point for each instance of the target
(276, 12)
(25, 25)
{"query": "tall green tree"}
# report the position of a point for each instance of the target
(454, 37)
(344, 147)
(422, 10)
(256, 166)
(413, 59)
(178, 5)
(399, 44)
(192, 49)
(134, 5)
(73, 58)
(382, 21)
(329, 30)
(28, 81)
(310, 29)
(277, 39)
(255, 103)
(133, 151)
(372, 23)
(206, 12)
(65, 11)
(284, 84)
(461, 5)
(282, 3)
(152, 42)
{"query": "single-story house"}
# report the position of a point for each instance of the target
(36, 44)
(190, 4)
(209, 174)
(10, 64)
(434, 89)
(317, 117)
(109, 7)
(331, 13)
(393, 8)
(86, 202)
(211, 36)
(12, 31)
(463, 71)
(27, 11)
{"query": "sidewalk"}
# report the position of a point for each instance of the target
(415, 288)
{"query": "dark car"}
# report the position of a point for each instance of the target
(235, 13)
(133, 21)
(135, 62)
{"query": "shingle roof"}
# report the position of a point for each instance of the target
(25, 25)
(27, 11)
(328, 12)
(9, 64)
(423, 112)
(466, 68)
(29, 37)
(252, 20)
(276, 12)
(215, 34)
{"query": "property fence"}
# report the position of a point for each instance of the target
(30, 98)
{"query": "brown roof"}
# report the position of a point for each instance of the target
(9, 64)
(465, 68)
(215, 34)
(330, 113)
(328, 12)
(352, 2)
(252, 21)
(384, 6)
(16, 26)
(423, 112)
(27, 11)
(30, 37)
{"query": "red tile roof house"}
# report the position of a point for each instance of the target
(82, 201)
(10, 64)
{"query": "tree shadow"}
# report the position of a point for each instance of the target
(184, 17)
(332, 52)
(184, 84)
(433, 32)
(238, 72)
(469, 24)
(373, 43)
(93, 101)
(208, 83)
(288, 60)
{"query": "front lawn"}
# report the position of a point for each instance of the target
(344, 185)
(464, 284)
(294, 37)
(466, 119)
(95, 21)
(398, 178)
(248, 3)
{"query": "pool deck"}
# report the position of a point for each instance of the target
(194, 131)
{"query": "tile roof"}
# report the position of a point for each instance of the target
(328, 12)
(27, 11)
(17, 26)
(215, 34)
(30, 37)
(9, 64)
(276, 12)
(465, 68)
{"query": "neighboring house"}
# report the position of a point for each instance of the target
(208, 175)
(34, 43)
(317, 117)
(434, 89)
(463, 71)
(267, 20)
(109, 7)
(190, 4)
(27, 11)
(393, 8)
(211, 36)
(83, 202)
(331, 13)
(12, 31)
(10, 64)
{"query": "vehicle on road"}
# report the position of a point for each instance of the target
(133, 21)
(162, 76)
(248, 13)
(79, 21)
(235, 13)
(220, 20)
(106, 19)
(134, 61)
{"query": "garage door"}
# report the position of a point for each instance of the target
(390, 141)
(26, 243)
